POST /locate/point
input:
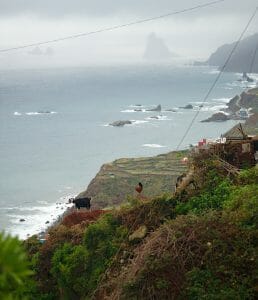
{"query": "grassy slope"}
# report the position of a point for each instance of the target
(201, 245)
(117, 180)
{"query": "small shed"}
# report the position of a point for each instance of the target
(239, 152)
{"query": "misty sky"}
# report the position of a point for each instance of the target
(192, 35)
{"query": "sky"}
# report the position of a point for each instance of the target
(192, 35)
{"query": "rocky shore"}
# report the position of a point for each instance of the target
(241, 107)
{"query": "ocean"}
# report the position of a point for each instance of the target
(54, 131)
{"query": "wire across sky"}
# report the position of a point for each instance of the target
(112, 28)
(218, 77)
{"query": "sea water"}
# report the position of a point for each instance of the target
(55, 132)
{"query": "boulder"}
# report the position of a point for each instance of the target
(217, 117)
(170, 109)
(157, 108)
(22, 220)
(138, 234)
(120, 123)
(188, 106)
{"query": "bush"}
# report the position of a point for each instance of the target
(205, 284)
(249, 176)
(77, 269)
(14, 268)
(212, 197)
(194, 257)
(242, 205)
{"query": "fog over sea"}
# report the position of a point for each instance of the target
(54, 131)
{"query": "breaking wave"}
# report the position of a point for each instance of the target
(35, 113)
(153, 146)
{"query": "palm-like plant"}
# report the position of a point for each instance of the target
(14, 267)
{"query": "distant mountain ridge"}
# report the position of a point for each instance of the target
(244, 59)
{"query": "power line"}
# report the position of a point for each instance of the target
(74, 36)
(217, 78)
(253, 58)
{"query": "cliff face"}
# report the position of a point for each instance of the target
(242, 58)
(117, 180)
(247, 100)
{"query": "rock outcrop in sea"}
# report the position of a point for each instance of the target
(157, 108)
(188, 106)
(217, 117)
(121, 123)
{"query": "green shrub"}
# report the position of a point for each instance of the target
(77, 269)
(205, 285)
(68, 267)
(242, 205)
(212, 197)
(14, 268)
(249, 176)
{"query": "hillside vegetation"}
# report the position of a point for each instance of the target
(199, 244)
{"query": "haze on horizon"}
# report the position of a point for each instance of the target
(192, 35)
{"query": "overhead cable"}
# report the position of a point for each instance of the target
(217, 78)
(74, 36)
(253, 58)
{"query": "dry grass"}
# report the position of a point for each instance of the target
(175, 249)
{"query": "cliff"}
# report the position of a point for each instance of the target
(115, 181)
(243, 58)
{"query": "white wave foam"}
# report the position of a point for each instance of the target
(137, 122)
(37, 218)
(134, 110)
(223, 100)
(158, 118)
(35, 113)
(153, 146)
(215, 108)
(16, 113)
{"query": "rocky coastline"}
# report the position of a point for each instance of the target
(243, 107)
(123, 174)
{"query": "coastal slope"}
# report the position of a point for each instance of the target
(243, 60)
(116, 181)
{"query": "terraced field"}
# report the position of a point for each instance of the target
(117, 180)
